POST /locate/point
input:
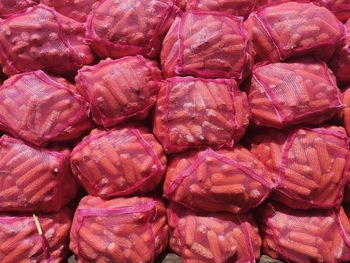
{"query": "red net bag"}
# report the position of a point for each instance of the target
(194, 113)
(119, 162)
(33, 179)
(129, 27)
(206, 44)
(280, 31)
(37, 238)
(120, 230)
(181, 4)
(219, 237)
(9, 7)
(119, 90)
(305, 236)
(75, 9)
(39, 108)
(341, 59)
(40, 38)
(295, 92)
(235, 7)
(345, 114)
(310, 165)
(225, 180)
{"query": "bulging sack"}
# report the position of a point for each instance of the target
(310, 165)
(206, 44)
(234, 7)
(215, 237)
(129, 27)
(231, 180)
(34, 238)
(40, 109)
(120, 230)
(34, 179)
(75, 9)
(341, 59)
(281, 31)
(305, 236)
(301, 91)
(119, 162)
(345, 114)
(40, 38)
(120, 90)
(9, 7)
(195, 113)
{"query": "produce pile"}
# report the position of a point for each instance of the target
(213, 129)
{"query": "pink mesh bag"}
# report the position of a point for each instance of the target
(119, 162)
(39, 109)
(194, 113)
(37, 238)
(120, 90)
(40, 38)
(341, 59)
(129, 27)
(235, 7)
(295, 92)
(305, 236)
(231, 180)
(120, 230)
(75, 9)
(215, 237)
(206, 44)
(345, 114)
(310, 165)
(9, 7)
(280, 31)
(33, 179)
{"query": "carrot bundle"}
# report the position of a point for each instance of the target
(34, 238)
(130, 27)
(40, 109)
(33, 179)
(310, 165)
(40, 38)
(206, 44)
(299, 91)
(120, 90)
(231, 180)
(280, 31)
(194, 113)
(215, 237)
(305, 236)
(119, 230)
(119, 162)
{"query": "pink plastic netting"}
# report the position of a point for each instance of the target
(120, 230)
(120, 90)
(10, 7)
(119, 162)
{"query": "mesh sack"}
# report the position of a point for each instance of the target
(341, 59)
(75, 9)
(120, 230)
(119, 162)
(305, 236)
(234, 7)
(206, 44)
(40, 38)
(310, 165)
(9, 7)
(119, 90)
(215, 237)
(181, 4)
(225, 180)
(33, 179)
(39, 108)
(39, 238)
(129, 27)
(345, 114)
(280, 31)
(295, 92)
(195, 113)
